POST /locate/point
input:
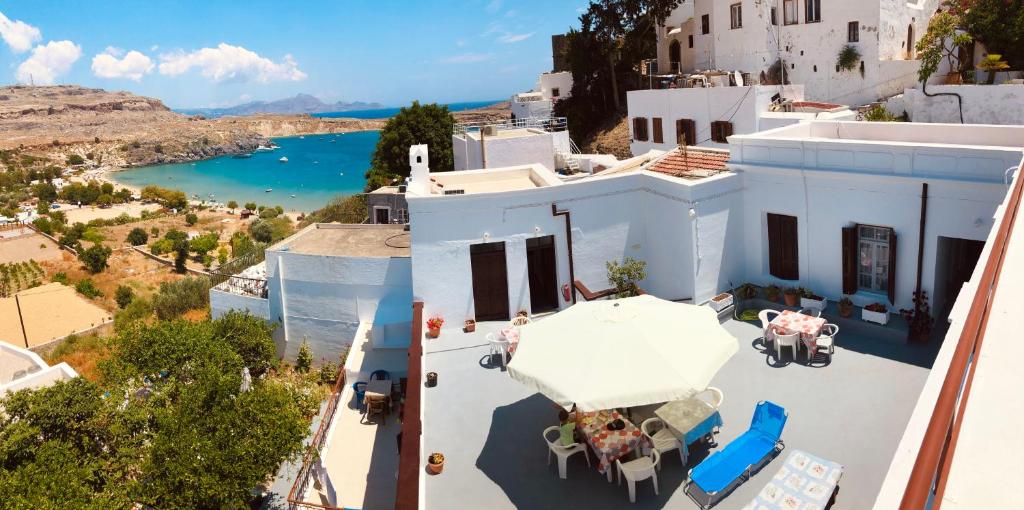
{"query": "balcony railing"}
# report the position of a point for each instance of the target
(407, 495)
(527, 98)
(549, 124)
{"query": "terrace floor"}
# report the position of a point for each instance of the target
(852, 410)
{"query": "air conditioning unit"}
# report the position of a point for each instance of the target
(490, 130)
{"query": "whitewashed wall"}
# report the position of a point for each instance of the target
(562, 81)
(323, 299)
(222, 302)
(742, 106)
(638, 215)
(538, 147)
(982, 104)
(832, 184)
(527, 109)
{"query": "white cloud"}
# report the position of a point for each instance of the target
(154, 47)
(493, 6)
(20, 36)
(514, 38)
(231, 63)
(132, 66)
(466, 58)
(115, 51)
(48, 62)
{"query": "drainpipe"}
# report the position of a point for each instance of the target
(483, 150)
(568, 244)
(920, 241)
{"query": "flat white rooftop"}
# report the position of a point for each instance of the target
(492, 180)
(344, 240)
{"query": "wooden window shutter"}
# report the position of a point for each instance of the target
(640, 129)
(720, 129)
(726, 130)
(783, 247)
(850, 259)
(686, 132)
(658, 135)
(892, 266)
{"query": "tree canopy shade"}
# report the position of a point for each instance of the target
(429, 124)
(998, 24)
(166, 426)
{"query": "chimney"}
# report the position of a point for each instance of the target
(419, 170)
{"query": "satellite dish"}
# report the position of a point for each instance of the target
(738, 77)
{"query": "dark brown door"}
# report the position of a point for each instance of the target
(783, 250)
(382, 216)
(540, 262)
(490, 281)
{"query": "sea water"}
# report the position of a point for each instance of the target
(319, 168)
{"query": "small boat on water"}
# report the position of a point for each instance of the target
(284, 159)
(242, 156)
(302, 138)
(316, 162)
(268, 190)
(293, 196)
(342, 174)
(264, 148)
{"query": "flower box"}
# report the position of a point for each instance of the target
(876, 317)
(721, 301)
(817, 302)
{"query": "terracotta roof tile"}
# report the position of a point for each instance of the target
(691, 164)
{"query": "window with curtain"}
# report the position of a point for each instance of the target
(789, 14)
(873, 258)
(736, 16)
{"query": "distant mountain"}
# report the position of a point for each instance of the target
(301, 103)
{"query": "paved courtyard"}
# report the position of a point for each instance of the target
(852, 410)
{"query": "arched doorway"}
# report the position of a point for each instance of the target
(675, 57)
(910, 41)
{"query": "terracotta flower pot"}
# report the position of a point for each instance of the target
(435, 468)
(470, 326)
(845, 311)
(433, 332)
(791, 299)
(431, 379)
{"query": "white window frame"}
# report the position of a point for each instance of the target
(872, 241)
(736, 16)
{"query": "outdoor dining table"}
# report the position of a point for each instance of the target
(378, 388)
(610, 445)
(689, 419)
(809, 327)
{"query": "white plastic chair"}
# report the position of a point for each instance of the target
(638, 470)
(827, 339)
(662, 438)
(813, 312)
(562, 452)
(766, 317)
(791, 340)
(498, 346)
(713, 396)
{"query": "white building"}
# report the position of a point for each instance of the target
(518, 142)
(702, 225)
(662, 119)
(23, 369)
(807, 35)
(326, 285)
(539, 103)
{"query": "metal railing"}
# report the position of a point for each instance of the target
(297, 494)
(527, 98)
(928, 478)
(550, 124)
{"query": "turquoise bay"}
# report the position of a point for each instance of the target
(319, 168)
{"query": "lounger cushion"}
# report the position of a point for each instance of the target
(716, 472)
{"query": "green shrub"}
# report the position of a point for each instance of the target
(250, 337)
(137, 237)
(304, 360)
(625, 277)
(123, 296)
(75, 159)
(137, 310)
(161, 247)
(95, 258)
(328, 372)
(191, 219)
(88, 289)
(268, 213)
(60, 277)
(178, 297)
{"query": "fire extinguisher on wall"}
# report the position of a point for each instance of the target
(565, 292)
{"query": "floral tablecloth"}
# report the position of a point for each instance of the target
(609, 445)
(511, 335)
(804, 482)
(809, 327)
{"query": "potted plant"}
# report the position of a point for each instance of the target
(791, 295)
(435, 463)
(625, 277)
(845, 307)
(431, 379)
(809, 299)
(470, 326)
(918, 318)
(746, 291)
(993, 63)
(942, 41)
(721, 301)
(434, 326)
(771, 293)
(876, 312)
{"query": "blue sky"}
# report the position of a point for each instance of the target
(218, 52)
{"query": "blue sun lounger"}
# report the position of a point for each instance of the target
(716, 476)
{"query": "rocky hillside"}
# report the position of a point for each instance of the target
(611, 137)
(122, 129)
(301, 103)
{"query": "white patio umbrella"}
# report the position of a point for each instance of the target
(622, 353)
